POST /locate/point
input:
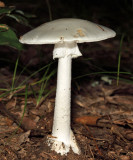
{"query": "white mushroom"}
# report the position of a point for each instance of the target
(65, 34)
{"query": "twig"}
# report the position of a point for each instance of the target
(100, 153)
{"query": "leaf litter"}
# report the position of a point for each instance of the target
(102, 120)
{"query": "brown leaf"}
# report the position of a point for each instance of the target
(124, 100)
(88, 120)
(119, 132)
(6, 125)
(87, 101)
(9, 122)
(129, 135)
(11, 104)
(124, 157)
(2, 4)
(28, 123)
(24, 137)
(123, 122)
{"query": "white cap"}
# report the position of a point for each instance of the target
(67, 30)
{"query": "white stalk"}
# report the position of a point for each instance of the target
(61, 123)
(63, 138)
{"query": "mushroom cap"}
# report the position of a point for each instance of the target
(67, 30)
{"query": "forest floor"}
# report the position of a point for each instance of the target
(102, 121)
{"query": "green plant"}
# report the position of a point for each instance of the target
(119, 58)
(7, 34)
(42, 93)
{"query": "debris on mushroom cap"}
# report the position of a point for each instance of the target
(67, 30)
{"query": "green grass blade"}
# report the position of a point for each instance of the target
(49, 10)
(105, 72)
(44, 84)
(119, 58)
(14, 74)
(33, 74)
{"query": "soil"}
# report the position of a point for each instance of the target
(102, 121)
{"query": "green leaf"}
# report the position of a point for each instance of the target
(20, 12)
(19, 19)
(6, 10)
(9, 38)
(3, 27)
(27, 15)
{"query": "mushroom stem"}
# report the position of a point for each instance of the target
(62, 136)
(61, 124)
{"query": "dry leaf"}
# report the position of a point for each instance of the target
(24, 137)
(88, 120)
(28, 123)
(11, 104)
(2, 4)
(129, 135)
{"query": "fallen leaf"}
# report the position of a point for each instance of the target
(88, 120)
(116, 130)
(24, 137)
(2, 4)
(124, 157)
(120, 100)
(87, 101)
(129, 135)
(11, 104)
(28, 123)
(123, 122)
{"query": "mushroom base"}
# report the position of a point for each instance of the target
(63, 148)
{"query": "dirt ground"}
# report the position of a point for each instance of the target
(102, 121)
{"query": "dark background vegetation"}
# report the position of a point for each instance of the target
(116, 14)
